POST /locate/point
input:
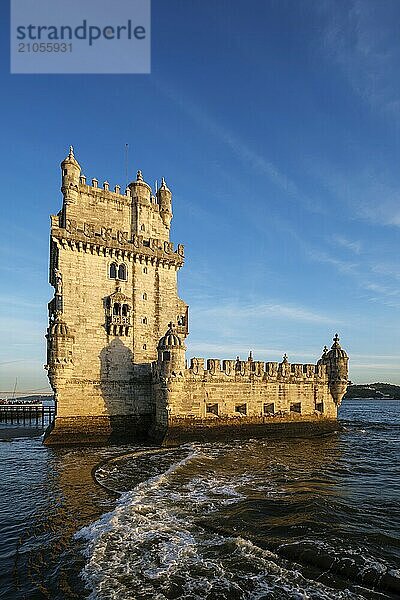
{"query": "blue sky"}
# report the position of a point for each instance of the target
(276, 125)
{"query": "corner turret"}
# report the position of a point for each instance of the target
(164, 197)
(70, 173)
(140, 190)
(59, 349)
(336, 361)
(171, 353)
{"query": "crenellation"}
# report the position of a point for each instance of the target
(258, 368)
(253, 370)
(228, 367)
(214, 366)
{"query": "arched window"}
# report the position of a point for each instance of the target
(113, 271)
(144, 320)
(145, 296)
(144, 269)
(125, 310)
(117, 309)
(122, 272)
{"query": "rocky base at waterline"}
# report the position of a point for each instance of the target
(97, 430)
(182, 430)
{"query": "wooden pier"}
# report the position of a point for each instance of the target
(33, 415)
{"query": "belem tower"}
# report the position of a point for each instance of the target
(117, 329)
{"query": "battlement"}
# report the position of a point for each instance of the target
(138, 210)
(104, 191)
(254, 370)
(86, 237)
(105, 194)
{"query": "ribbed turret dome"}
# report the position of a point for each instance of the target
(170, 339)
(336, 350)
(59, 328)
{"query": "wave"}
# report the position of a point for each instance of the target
(360, 424)
(354, 564)
(154, 546)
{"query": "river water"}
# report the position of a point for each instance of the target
(249, 519)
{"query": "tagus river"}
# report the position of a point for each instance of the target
(315, 518)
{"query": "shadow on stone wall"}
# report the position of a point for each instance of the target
(122, 384)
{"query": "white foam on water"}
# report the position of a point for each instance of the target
(153, 547)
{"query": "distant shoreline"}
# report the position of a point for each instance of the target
(378, 398)
(373, 391)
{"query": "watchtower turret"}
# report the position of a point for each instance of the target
(171, 353)
(336, 361)
(164, 197)
(70, 173)
(140, 190)
(59, 349)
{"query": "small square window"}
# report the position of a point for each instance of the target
(295, 407)
(212, 409)
(241, 408)
(269, 408)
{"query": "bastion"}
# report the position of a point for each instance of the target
(117, 328)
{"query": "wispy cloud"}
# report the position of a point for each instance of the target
(351, 245)
(240, 148)
(11, 301)
(362, 274)
(378, 366)
(382, 289)
(342, 266)
(265, 309)
(361, 37)
(229, 350)
(367, 192)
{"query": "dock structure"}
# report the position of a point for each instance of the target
(36, 415)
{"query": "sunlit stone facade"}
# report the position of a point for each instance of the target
(115, 372)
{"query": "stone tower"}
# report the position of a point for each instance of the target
(114, 273)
